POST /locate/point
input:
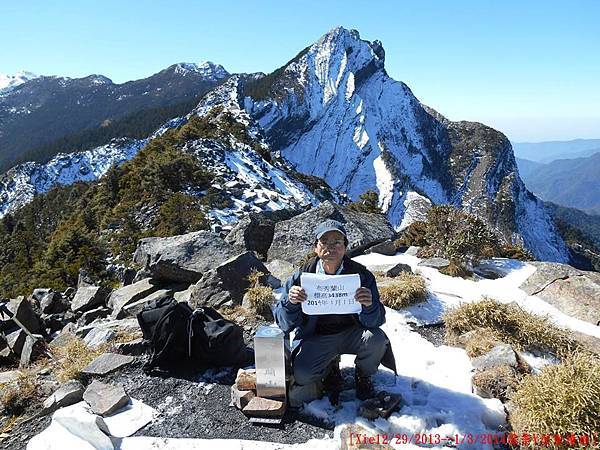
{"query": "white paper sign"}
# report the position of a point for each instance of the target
(330, 294)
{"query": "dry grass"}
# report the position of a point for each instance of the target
(455, 269)
(16, 396)
(122, 337)
(562, 399)
(407, 289)
(261, 298)
(380, 276)
(480, 341)
(509, 323)
(8, 424)
(500, 381)
(73, 357)
(254, 277)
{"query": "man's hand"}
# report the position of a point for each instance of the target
(363, 296)
(297, 295)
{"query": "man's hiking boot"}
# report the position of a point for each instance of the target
(334, 382)
(364, 386)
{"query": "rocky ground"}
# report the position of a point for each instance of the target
(192, 406)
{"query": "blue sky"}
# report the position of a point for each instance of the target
(528, 68)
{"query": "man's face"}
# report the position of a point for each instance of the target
(331, 247)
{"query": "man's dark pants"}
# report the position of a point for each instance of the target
(318, 351)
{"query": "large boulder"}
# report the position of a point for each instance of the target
(574, 292)
(294, 238)
(183, 258)
(88, 297)
(129, 294)
(254, 232)
(53, 303)
(23, 311)
(227, 283)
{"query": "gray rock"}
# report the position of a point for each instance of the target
(16, 341)
(53, 303)
(253, 232)
(88, 297)
(500, 355)
(127, 275)
(69, 293)
(383, 248)
(280, 269)
(93, 314)
(412, 250)
(264, 407)
(185, 295)
(21, 309)
(574, 292)
(132, 309)
(105, 399)
(129, 294)
(84, 280)
(62, 339)
(134, 348)
(294, 238)
(227, 283)
(107, 363)
(240, 398)
(436, 263)
(27, 350)
(9, 376)
(127, 325)
(209, 291)
(68, 394)
(39, 293)
(98, 337)
(398, 269)
(183, 258)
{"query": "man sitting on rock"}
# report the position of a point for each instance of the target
(321, 339)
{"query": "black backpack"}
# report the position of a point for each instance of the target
(217, 341)
(183, 338)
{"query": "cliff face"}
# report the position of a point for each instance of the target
(334, 112)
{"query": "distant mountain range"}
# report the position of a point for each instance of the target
(546, 152)
(38, 111)
(573, 182)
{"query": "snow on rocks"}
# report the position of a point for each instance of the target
(22, 182)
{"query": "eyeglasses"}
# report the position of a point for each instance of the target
(336, 243)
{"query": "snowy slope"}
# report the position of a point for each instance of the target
(22, 182)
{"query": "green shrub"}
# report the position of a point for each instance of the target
(261, 298)
(509, 323)
(563, 399)
(180, 214)
(516, 252)
(407, 289)
(414, 234)
(367, 203)
(458, 236)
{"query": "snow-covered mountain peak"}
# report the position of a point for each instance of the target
(207, 69)
(343, 44)
(12, 81)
